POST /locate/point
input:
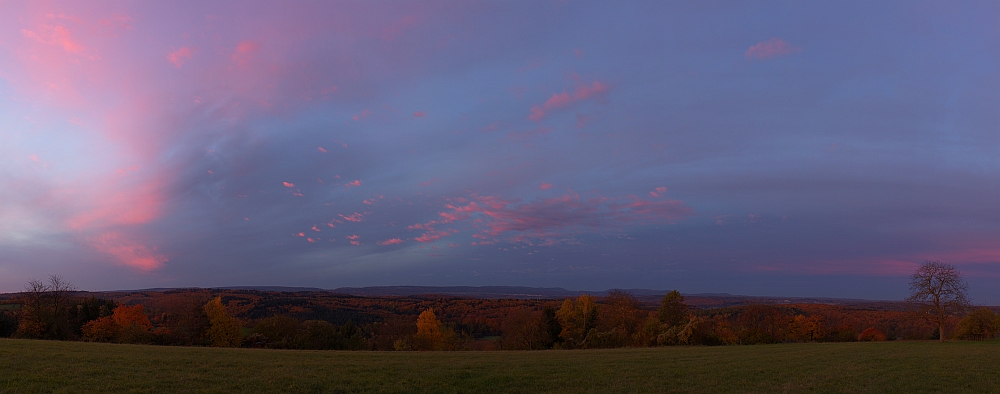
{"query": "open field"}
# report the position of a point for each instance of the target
(44, 366)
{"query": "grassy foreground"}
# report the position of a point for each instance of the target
(44, 366)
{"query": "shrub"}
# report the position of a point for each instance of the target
(871, 334)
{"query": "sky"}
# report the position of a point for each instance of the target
(820, 149)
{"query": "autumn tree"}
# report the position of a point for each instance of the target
(127, 324)
(429, 335)
(577, 318)
(278, 331)
(620, 318)
(981, 324)
(224, 330)
(672, 310)
(530, 330)
(45, 309)
(940, 292)
(133, 324)
(806, 328)
(184, 318)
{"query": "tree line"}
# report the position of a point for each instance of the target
(54, 310)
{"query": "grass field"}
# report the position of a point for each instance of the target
(44, 366)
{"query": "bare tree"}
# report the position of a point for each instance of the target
(45, 309)
(940, 291)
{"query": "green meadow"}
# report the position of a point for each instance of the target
(48, 366)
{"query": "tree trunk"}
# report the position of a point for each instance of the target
(941, 332)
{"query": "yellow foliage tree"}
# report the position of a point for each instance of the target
(577, 318)
(224, 330)
(429, 335)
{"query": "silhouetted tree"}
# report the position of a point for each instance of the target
(940, 292)
(8, 324)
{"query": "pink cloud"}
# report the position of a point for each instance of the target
(128, 251)
(420, 114)
(179, 56)
(245, 51)
(391, 241)
(356, 182)
(321, 149)
(355, 217)
(430, 182)
(354, 239)
(33, 158)
(311, 240)
(545, 186)
(552, 218)
(658, 192)
(314, 228)
(772, 48)
(562, 100)
(433, 236)
(362, 115)
(288, 184)
(57, 36)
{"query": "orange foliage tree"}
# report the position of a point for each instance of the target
(127, 324)
(429, 335)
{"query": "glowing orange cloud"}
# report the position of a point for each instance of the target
(288, 184)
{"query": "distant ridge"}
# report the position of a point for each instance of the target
(646, 296)
(463, 291)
